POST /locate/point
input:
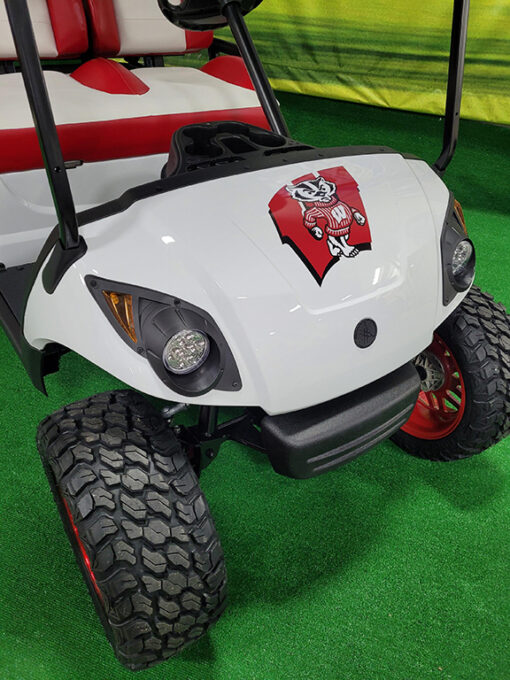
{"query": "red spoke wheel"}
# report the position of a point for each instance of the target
(438, 412)
(464, 404)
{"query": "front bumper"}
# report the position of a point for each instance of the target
(309, 442)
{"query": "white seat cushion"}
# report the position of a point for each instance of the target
(96, 125)
(138, 27)
(143, 29)
(172, 91)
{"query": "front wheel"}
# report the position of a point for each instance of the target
(464, 404)
(138, 522)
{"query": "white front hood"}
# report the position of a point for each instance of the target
(217, 246)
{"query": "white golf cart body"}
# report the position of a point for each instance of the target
(303, 285)
(215, 245)
(320, 355)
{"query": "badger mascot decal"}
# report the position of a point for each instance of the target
(323, 218)
(322, 204)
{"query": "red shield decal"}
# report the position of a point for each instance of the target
(322, 217)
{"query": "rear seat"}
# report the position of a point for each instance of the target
(60, 30)
(103, 110)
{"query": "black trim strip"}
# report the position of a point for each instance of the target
(37, 363)
(251, 163)
(452, 234)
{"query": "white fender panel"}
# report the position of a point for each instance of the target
(27, 210)
(216, 246)
(437, 195)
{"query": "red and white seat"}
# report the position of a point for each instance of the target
(60, 29)
(103, 110)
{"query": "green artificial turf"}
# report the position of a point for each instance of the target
(390, 568)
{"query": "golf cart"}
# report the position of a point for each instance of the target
(326, 294)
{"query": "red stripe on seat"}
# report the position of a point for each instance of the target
(105, 140)
(69, 27)
(103, 27)
(109, 76)
(230, 69)
(198, 40)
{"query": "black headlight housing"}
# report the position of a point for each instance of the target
(157, 317)
(454, 232)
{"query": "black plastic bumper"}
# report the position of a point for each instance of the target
(312, 441)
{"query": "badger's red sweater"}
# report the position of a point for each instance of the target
(337, 215)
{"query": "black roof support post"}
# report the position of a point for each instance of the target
(35, 85)
(455, 78)
(231, 10)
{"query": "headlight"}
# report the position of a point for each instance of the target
(461, 257)
(186, 351)
(182, 343)
(461, 270)
(458, 254)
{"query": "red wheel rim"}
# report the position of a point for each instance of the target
(437, 413)
(86, 558)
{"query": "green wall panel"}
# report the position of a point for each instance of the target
(386, 53)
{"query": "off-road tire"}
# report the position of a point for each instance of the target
(136, 506)
(478, 335)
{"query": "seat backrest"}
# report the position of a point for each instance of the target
(60, 29)
(121, 28)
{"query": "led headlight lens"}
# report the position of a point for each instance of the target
(186, 351)
(461, 258)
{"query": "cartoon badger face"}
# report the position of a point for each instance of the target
(317, 190)
(320, 203)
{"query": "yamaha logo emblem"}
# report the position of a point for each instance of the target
(365, 333)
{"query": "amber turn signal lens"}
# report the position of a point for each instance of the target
(121, 306)
(458, 209)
